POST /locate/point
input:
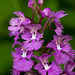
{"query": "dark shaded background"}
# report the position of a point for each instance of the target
(6, 12)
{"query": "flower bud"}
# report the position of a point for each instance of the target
(46, 12)
(40, 2)
(30, 3)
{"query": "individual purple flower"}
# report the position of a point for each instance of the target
(43, 67)
(40, 2)
(60, 44)
(18, 22)
(22, 18)
(31, 43)
(14, 25)
(31, 3)
(22, 61)
(33, 29)
(57, 17)
(18, 25)
(15, 72)
(33, 37)
(69, 66)
(23, 65)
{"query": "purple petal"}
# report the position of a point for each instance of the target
(14, 21)
(15, 72)
(23, 65)
(26, 36)
(54, 69)
(20, 14)
(60, 57)
(42, 72)
(67, 48)
(69, 66)
(17, 42)
(36, 26)
(18, 50)
(38, 66)
(34, 45)
(43, 57)
(60, 14)
(52, 45)
(59, 31)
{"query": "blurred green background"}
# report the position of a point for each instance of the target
(6, 13)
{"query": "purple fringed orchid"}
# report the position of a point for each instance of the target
(57, 17)
(33, 37)
(22, 18)
(22, 61)
(18, 25)
(33, 28)
(60, 44)
(43, 67)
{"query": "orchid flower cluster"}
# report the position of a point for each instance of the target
(26, 60)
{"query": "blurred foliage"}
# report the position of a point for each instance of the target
(6, 12)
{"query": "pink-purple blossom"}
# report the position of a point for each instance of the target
(22, 61)
(43, 67)
(60, 44)
(57, 17)
(18, 25)
(33, 37)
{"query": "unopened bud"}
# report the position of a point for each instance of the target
(40, 2)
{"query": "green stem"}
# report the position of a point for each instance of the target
(33, 15)
(40, 20)
(49, 21)
(37, 13)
